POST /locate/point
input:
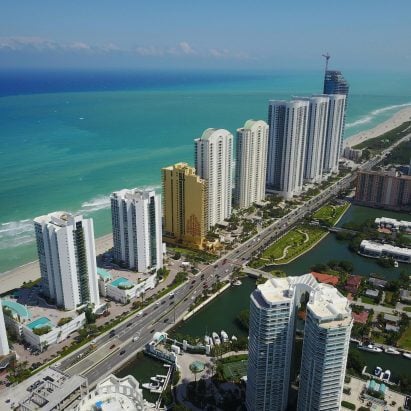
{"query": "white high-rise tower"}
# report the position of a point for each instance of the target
(251, 163)
(4, 343)
(286, 146)
(325, 350)
(137, 236)
(334, 134)
(213, 162)
(67, 258)
(316, 133)
(273, 310)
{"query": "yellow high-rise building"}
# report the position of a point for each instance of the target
(184, 206)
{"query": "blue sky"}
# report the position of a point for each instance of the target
(205, 34)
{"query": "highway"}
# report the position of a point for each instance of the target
(116, 349)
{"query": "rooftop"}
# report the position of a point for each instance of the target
(326, 278)
(44, 390)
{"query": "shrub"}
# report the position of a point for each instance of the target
(64, 320)
(348, 405)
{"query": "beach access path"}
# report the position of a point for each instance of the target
(29, 272)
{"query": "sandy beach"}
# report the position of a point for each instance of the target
(396, 120)
(29, 272)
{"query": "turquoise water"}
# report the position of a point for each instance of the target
(120, 280)
(19, 309)
(68, 151)
(40, 322)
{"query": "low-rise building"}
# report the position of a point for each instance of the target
(377, 282)
(48, 390)
(326, 278)
(352, 154)
(377, 250)
(393, 225)
(123, 289)
(372, 293)
(405, 296)
(40, 331)
(360, 318)
(353, 284)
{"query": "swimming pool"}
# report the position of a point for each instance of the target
(40, 322)
(121, 280)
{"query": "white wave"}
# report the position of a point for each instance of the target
(374, 113)
(18, 233)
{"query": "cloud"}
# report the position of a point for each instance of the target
(181, 49)
(39, 44)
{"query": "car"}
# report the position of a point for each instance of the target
(151, 332)
(144, 314)
(191, 287)
(139, 314)
(193, 282)
(157, 303)
(166, 320)
(129, 324)
(171, 302)
(122, 352)
(171, 295)
(163, 302)
(112, 346)
(135, 338)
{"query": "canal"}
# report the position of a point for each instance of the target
(332, 249)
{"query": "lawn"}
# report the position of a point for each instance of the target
(291, 245)
(405, 340)
(235, 370)
(329, 214)
(367, 300)
(407, 309)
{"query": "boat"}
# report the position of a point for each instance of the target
(407, 355)
(216, 338)
(151, 386)
(369, 348)
(233, 338)
(386, 376)
(159, 379)
(237, 282)
(377, 371)
(224, 336)
(207, 339)
(392, 351)
(396, 264)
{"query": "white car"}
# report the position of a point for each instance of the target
(135, 338)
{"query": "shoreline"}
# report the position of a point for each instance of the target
(31, 271)
(394, 121)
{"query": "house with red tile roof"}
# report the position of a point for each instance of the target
(326, 278)
(353, 283)
(360, 318)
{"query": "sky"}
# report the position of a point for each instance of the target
(208, 34)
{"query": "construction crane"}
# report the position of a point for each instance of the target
(327, 57)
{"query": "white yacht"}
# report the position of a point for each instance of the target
(407, 355)
(369, 348)
(377, 371)
(392, 351)
(386, 376)
(224, 336)
(216, 338)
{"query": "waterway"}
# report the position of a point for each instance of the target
(332, 249)
(221, 313)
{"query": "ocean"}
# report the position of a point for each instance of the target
(69, 138)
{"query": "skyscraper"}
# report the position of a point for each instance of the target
(316, 134)
(335, 83)
(286, 146)
(273, 309)
(137, 232)
(335, 128)
(67, 258)
(4, 343)
(251, 163)
(325, 350)
(184, 206)
(213, 153)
